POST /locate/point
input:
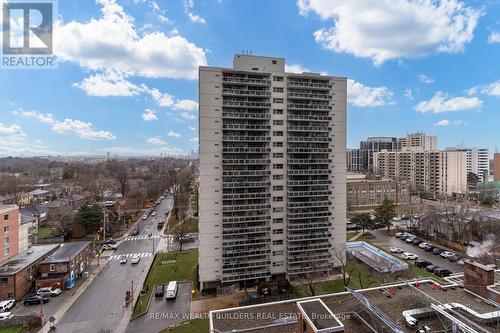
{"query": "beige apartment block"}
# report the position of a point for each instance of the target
(272, 172)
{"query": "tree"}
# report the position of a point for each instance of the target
(385, 212)
(91, 217)
(363, 220)
(180, 233)
(341, 256)
(459, 215)
(472, 180)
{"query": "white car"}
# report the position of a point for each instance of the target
(135, 259)
(399, 234)
(123, 259)
(5, 315)
(410, 256)
(154, 213)
(51, 291)
(423, 244)
(7, 304)
(461, 262)
(144, 217)
(396, 250)
(410, 239)
(446, 254)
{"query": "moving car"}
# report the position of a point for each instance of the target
(135, 259)
(423, 245)
(447, 254)
(437, 250)
(172, 288)
(431, 268)
(422, 263)
(123, 259)
(110, 241)
(160, 224)
(5, 315)
(36, 299)
(7, 304)
(135, 232)
(109, 247)
(410, 256)
(396, 250)
(50, 291)
(154, 213)
(159, 290)
(442, 272)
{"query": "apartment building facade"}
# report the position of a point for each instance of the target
(433, 172)
(272, 172)
(368, 193)
(417, 142)
(9, 231)
(361, 159)
(478, 161)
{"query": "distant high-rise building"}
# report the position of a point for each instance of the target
(496, 166)
(417, 142)
(478, 161)
(272, 172)
(362, 159)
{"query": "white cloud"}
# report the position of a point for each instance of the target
(46, 118)
(492, 89)
(81, 129)
(192, 128)
(443, 122)
(187, 116)
(135, 151)
(188, 5)
(186, 104)
(156, 141)
(149, 115)
(446, 122)
(409, 94)
(12, 130)
(110, 83)
(494, 37)
(195, 139)
(393, 29)
(112, 42)
(173, 134)
(364, 96)
(441, 103)
(296, 68)
(425, 79)
(163, 99)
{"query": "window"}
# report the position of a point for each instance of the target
(4, 280)
(6, 251)
(278, 188)
(277, 166)
(6, 228)
(278, 264)
(6, 217)
(278, 89)
(278, 78)
(277, 177)
(277, 122)
(52, 267)
(278, 253)
(278, 100)
(278, 210)
(277, 133)
(278, 220)
(278, 232)
(277, 199)
(278, 155)
(278, 242)
(277, 144)
(277, 111)
(6, 240)
(274, 62)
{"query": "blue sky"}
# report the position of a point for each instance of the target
(127, 75)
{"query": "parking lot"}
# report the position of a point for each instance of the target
(386, 241)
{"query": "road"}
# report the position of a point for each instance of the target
(101, 307)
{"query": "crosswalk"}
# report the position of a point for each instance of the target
(132, 238)
(129, 255)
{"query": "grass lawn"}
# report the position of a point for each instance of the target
(184, 269)
(16, 329)
(190, 326)
(350, 234)
(44, 232)
(191, 225)
(194, 205)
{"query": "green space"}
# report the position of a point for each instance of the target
(350, 234)
(191, 225)
(189, 326)
(181, 266)
(44, 232)
(15, 329)
(194, 205)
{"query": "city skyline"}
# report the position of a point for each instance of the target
(115, 98)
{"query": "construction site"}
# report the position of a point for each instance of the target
(465, 302)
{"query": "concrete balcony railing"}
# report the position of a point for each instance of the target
(244, 161)
(308, 129)
(245, 115)
(239, 92)
(229, 79)
(309, 161)
(308, 84)
(296, 106)
(246, 127)
(303, 95)
(308, 117)
(246, 138)
(313, 204)
(246, 104)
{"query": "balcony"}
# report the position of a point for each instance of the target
(294, 194)
(308, 204)
(237, 173)
(309, 172)
(296, 106)
(245, 115)
(292, 216)
(308, 129)
(245, 161)
(308, 117)
(244, 184)
(251, 93)
(309, 150)
(246, 127)
(303, 84)
(246, 104)
(226, 278)
(238, 138)
(309, 161)
(245, 196)
(244, 80)
(308, 139)
(237, 208)
(246, 150)
(303, 95)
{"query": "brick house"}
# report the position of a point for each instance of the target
(63, 267)
(9, 231)
(18, 274)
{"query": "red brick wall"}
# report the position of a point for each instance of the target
(9, 218)
(477, 278)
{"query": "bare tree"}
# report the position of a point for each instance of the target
(180, 233)
(340, 255)
(458, 215)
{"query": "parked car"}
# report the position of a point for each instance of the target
(442, 272)
(422, 263)
(154, 213)
(160, 224)
(396, 250)
(145, 216)
(36, 299)
(123, 259)
(454, 258)
(404, 237)
(423, 245)
(429, 248)
(134, 232)
(50, 291)
(110, 241)
(431, 268)
(159, 290)
(437, 250)
(398, 234)
(5, 315)
(109, 247)
(135, 259)
(446, 254)
(172, 288)
(7, 304)
(410, 256)
(410, 239)
(417, 241)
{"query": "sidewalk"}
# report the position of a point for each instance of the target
(65, 307)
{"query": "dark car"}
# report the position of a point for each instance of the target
(437, 250)
(431, 268)
(442, 272)
(159, 290)
(36, 299)
(416, 241)
(160, 225)
(109, 242)
(454, 258)
(134, 232)
(422, 263)
(429, 248)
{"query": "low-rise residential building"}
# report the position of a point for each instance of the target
(9, 231)
(39, 196)
(28, 231)
(63, 267)
(18, 274)
(368, 193)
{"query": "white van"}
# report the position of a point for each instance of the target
(171, 292)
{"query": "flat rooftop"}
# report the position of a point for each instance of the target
(26, 258)
(66, 252)
(355, 317)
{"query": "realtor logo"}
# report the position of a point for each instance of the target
(27, 34)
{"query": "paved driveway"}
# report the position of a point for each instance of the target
(164, 313)
(387, 241)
